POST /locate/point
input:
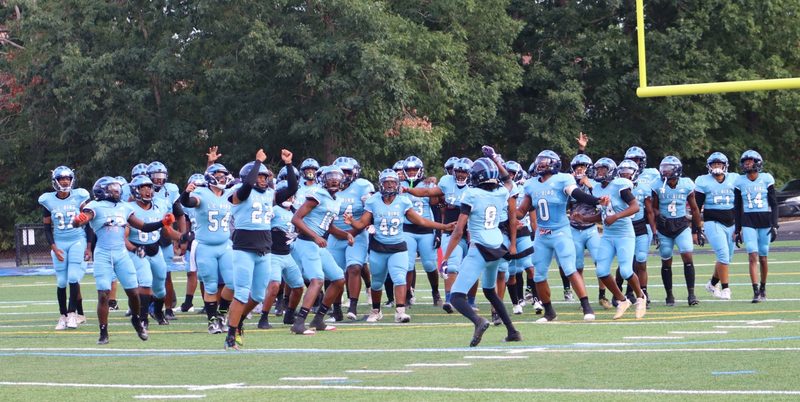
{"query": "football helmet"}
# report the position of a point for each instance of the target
(136, 184)
(217, 176)
(282, 173)
(484, 171)
(515, 170)
(331, 178)
(309, 167)
(411, 163)
(670, 168)
(388, 176)
(628, 169)
(717, 157)
(637, 155)
(106, 188)
(448, 166)
(461, 171)
(582, 160)
(547, 162)
(197, 179)
(62, 172)
(138, 170)
(758, 162)
(347, 165)
(158, 174)
(609, 172)
(262, 170)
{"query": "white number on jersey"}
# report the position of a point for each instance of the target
(489, 217)
(64, 222)
(672, 208)
(544, 211)
(758, 201)
(390, 228)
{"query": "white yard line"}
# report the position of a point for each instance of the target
(189, 396)
(378, 371)
(652, 337)
(698, 332)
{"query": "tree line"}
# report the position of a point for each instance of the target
(101, 86)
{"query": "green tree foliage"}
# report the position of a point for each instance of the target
(100, 86)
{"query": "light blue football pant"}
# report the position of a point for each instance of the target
(621, 247)
(454, 261)
(382, 265)
(558, 242)
(473, 267)
(151, 272)
(111, 264)
(250, 275)
(683, 240)
(720, 238)
(421, 244)
(583, 240)
(346, 255)
(72, 269)
(756, 240)
(285, 266)
(214, 261)
(316, 262)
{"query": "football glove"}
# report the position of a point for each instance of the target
(168, 220)
(737, 238)
(773, 234)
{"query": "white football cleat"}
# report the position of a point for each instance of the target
(545, 320)
(81, 318)
(517, 309)
(641, 307)
(538, 307)
(72, 321)
(622, 307)
(62, 323)
(351, 316)
(588, 317)
(725, 294)
(400, 315)
(375, 315)
(713, 290)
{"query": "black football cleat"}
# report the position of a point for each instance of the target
(516, 336)
(263, 322)
(103, 338)
(139, 327)
(480, 328)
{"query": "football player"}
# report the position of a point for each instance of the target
(151, 269)
(671, 194)
(213, 252)
(388, 246)
(313, 224)
(756, 217)
(68, 244)
(619, 238)
(714, 194)
(642, 227)
(108, 218)
(480, 214)
(547, 193)
(354, 192)
(252, 204)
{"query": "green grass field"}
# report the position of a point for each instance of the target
(720, 349)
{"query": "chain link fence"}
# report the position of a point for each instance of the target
(31, 245)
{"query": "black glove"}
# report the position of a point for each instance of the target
(737, 237)
(773, 234)
(701, 238)
(140, 252)
(656, 241)
(437, 239)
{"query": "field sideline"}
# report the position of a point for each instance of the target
(720, 349)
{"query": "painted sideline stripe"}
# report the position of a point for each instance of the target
(496, 357)
(378, 371)
(188, 396)
(652, 337)
(663, 350)
(733, 372)
(744, 326)
(698, 332)
(439, 365)
(313, 378)
(431, 389)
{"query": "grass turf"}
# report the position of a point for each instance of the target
(730, 346)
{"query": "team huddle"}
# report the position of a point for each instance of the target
(301, 240)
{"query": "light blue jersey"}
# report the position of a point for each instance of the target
(485, 216)
(754, 192)
(352, 200)
(282, 220)
(300, 195)
(326, 211)
(109, 222)
(155, 213)
(421, 205)
(623, 227)
(642, 191)
(452, 192)
(254, 213)
(213, 215)
(719, 196)
(388, 219)
(649, 176)
(672, 201)
(515, 192)
(169, 194)
(549, 199)
(62, 212)
(191, 218)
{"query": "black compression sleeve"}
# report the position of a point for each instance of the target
(248, 182)
(46, 212)
(738, 207)
(466, 209)
(177, 209)
(627, 195)
(291, 188)
(700, 198)
(48, 233)
(582, 197)
(187, 201)
(152, 226)
(772, 200)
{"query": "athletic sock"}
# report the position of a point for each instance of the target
(158, 306)
(755, 288)
(618, 278)
(223, 306)
(322, 310)
(688, 273)
(187, 300)
(520, 286)
(74, 288)
(586, 306)
(389, 285)
(666, 276)
(211, 310)
(433, 279)
(447, 296)
(548, 310)
(714, 281)
(459, 301)
(144, 305)
(763, 287)
(564, 279)
(303, 313)
(79, 306)
(471, 300)
(724, 285)
(601, 294)
(231, 331)
(353, 304)
(500, 309)
(512, 293)
(61, 294)
(376, 306)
